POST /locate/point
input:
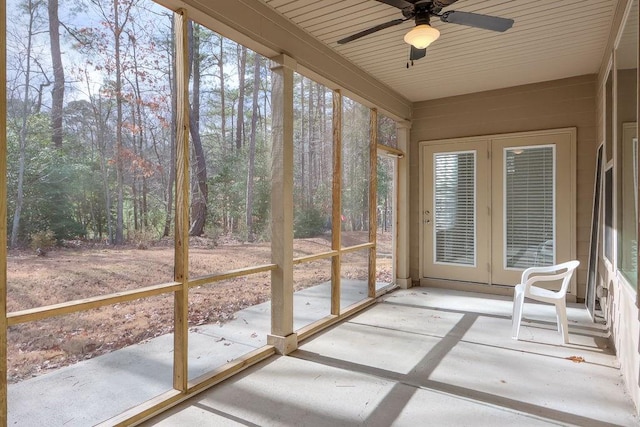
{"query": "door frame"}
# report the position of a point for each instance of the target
(595, 243)
(482, 166)
(489, 287)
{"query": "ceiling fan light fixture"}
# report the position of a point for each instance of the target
(421, 36)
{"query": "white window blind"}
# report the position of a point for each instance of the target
(455, 232)
(529, 206)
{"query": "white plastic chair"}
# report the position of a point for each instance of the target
(526, 289)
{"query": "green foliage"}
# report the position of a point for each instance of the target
(47, 177)
(355, 173)
(262, 193)
(308, 222)
(385, 179)
(43, 240)
(48, 203)
(226, 192)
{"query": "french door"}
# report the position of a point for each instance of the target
(493, 207)
(455, 214)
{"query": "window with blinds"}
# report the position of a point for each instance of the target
(455, 225)
(529, 206)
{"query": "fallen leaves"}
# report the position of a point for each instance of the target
(576, 359)
(38, 347)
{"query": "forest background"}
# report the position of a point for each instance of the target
(91, 117)
(90, 120)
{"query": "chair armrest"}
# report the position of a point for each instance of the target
(546, 278)
(568, 266)
(538, 270)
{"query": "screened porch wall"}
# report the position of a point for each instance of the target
(549, 105)
(623, 314)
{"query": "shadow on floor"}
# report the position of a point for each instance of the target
(428, 357)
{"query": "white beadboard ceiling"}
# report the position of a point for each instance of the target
(551, 39)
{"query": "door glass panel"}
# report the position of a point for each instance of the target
(455, 231)
(529, 206)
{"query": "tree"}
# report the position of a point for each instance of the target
(116, 29)
(57, 95)
(303, 135)
(242, 69)
(32, 10)
(199, 190)
(252, 147)
(223, 107)
(172, 140)
(82, 125)
(114, 130)
(356, 169)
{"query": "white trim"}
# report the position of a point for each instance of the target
(623, 24)
(609, 262)
(618, 171)
(571, 132)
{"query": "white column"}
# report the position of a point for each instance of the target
(403, 277)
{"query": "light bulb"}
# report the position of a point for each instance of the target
(421, 36)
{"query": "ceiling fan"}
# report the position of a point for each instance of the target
(423, 34)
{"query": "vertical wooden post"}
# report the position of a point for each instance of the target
(401, 223)
(3, 216)
(282, 336)
(181, 273)
(637, 17)
(336, 214)
(373, 199)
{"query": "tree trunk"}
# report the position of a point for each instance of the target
(303, 134)
(104, 169)
(119, 239)
(252, 147)
(199, 190)
(134, 178)
(57, 95)
(242, 68)
(15, 226)
(223, 107)
(172, 141)
(312, 124)
(324, 156)
(139, 177)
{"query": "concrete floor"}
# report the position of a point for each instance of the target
(97, 389)
(426, 356)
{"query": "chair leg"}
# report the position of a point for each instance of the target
(563, 326)
(516, 318)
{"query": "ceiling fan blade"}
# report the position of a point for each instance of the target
(486, 22)
(371, 31)
(417, 53)
(400, 4)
